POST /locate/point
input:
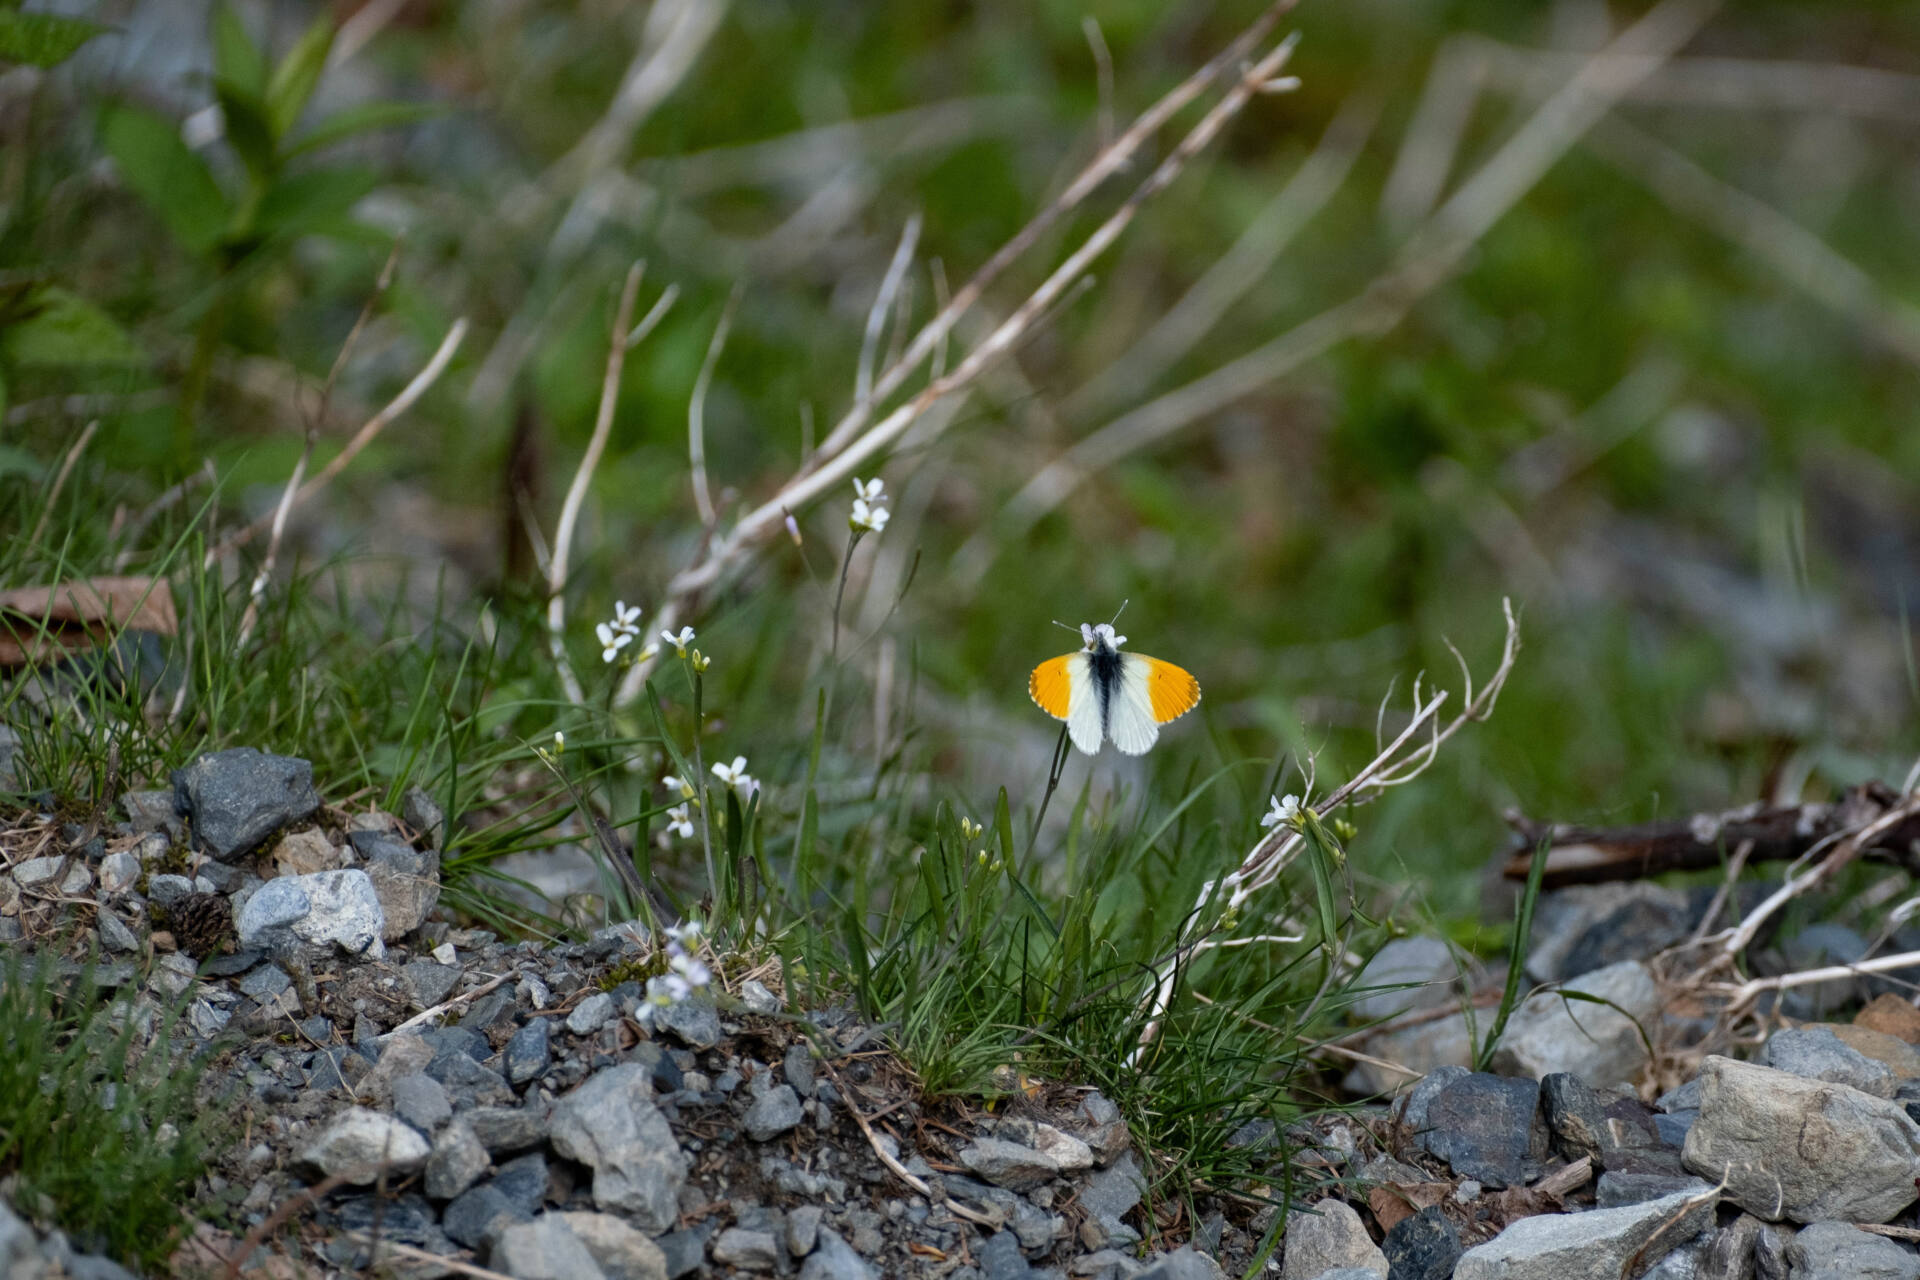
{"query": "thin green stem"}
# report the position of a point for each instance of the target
(1061, 751)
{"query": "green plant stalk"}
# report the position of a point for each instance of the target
(1516, 954)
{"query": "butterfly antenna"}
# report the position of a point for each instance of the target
(1117, 612)
(1064, 627)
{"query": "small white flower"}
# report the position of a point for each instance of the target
(611, 641)
(559, 742)
(681, 785)
(679, 642)
(793, 529)
(735, 775)
(687, 934)
(696, 974)
(680, 821)
(699, 660)
(625, 619)
(969, 829)
(869, 516)
(668, 988)
(1284, 811)
(870, 490)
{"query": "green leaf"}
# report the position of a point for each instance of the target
(237, 60)
(367, 116)
(248, 131)
(65, 329)
(162, 171)
(1322, 853)
(293, 80)
(42, 39)
(18, 462)
(311, 201)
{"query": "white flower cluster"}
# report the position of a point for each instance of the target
(621, 632)
(685, 975)
(868, 515)
(733, 776)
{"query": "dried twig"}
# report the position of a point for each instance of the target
(445, 1006)
(60, 480)
(577, 491)
(858, 438)
(373, 426)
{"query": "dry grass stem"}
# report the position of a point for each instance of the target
(60, 480)
(697, 412)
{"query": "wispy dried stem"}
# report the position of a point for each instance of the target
(60, 480)
(697, 413)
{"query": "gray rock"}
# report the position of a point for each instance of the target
(527, 1053)
(1770, 1253)
(1406, 974)
(803, 1229)
(1603, 1044)
(1100, 1125)
(430, 982)
(1326, 1235)
(1188, 1263)
(118, 873)
(265, 982)
(505, 1130)
(755, 996)
(406, 880)
(590, 1014)
(1421, 1096)
(544, 1249)
(611, 1125)
(166, 890)
(237, 798)
(773, 1113)
(1422, 1246)
(685, 1251)
(1067, 1151)
(1815, 1053)
(694, 1022)
(1112, 1193)
(150, 811)
(622, 1252)
(1000, 1257)
(1801, 1149)
(421, 812)
(749, 1250)
(1617, 1188)
(1597, 1245)
(1589, 927)
(359, 1145)
(1730, 1256)
(422, 1102)
(797, 1066)
(1421, 1049)
(326, 910)
(1008, 1164)
(523, 1181)
(467, 1082)
(477, 1216)
(1821, 946)
(834, 1259)
(114, 934)
(1485, 1127)
(457, 1161)
(1841, 1251)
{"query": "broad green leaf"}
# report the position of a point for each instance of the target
(248, 131)
(362, 119)
(311, 201)
(18, 462)
(161, 170)
(42, 39)
(293, 80)
(66, 329)
(237, 60)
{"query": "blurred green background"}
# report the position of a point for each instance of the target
(1667, 403)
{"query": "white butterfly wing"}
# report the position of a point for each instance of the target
(1130, 721)
(1083, 705)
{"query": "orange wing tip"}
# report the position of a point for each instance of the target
(1171, 690)
(1050, 686)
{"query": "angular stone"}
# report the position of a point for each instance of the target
(1421, 1050)
(1067, 1151)
(1008, 1164)
(422, 1102)
(797, 1067)
(1188, 1263)
(590, 1014)
(119, 872)
(421, 812)
(359, 1145)
(695, 1022)
(544, 1249)
(1484, 1127)
(406, 880)
(611, 1125)
(1900, 1057)
(1817, 1054)
(773, 1113)
(1891, 1015)
(1596, 1245)
(1101, 1126)
(1406, 974)
(748, 1250)
(1326, 1235)
(478, 1215)
(1802, 1149)
(621, 1252)
(803, 1228)
(1841, 1251)
(1821, 946)
(328, 910)
(429, 982)
(305, 853)
(1601, 1043)
(39, 874)
(150, 811)
(523, 1181)
(1000, 1257)
(457, 1161)
(1422, 1246)
(505, 1130)
(1589, 927)
(528, 1052)
(237, 798)
(834, 1259)
(1112, 1193)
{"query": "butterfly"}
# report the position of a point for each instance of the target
(1103, 693)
